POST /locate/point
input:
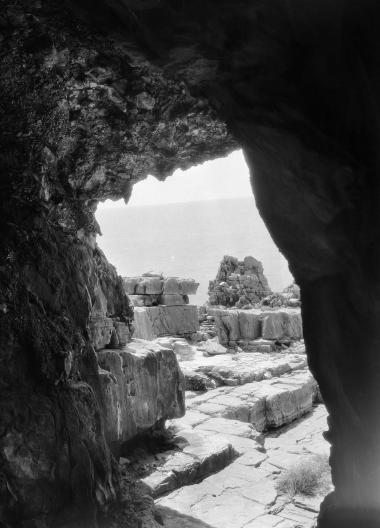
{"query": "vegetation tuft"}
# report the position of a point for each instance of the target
(307, 477)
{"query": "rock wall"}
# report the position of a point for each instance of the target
(248, 328)
(95, 97)
(83, 116)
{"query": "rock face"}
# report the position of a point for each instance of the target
(94, 98)
(238, 283)
(244, 327)
(155, 289)
(156, 321)
(161, 305)
(142, 386)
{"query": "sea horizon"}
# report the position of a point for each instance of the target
(189, 239)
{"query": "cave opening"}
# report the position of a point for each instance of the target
(184, 226)
(92, 103)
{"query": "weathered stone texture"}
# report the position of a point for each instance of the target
(141, 388)
(156, 321)
(233, 326)
(238, 283)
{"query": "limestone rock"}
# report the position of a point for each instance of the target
(142, 324)
(140, 388)
(156, 321)
(155, 284)
(280, 325)
(172, 299)
(227, 326)
(212, 348)
(249, 324)
(265, 404)
(238, 283)
(144, 300)
(184, 351)
(234, 325)
(199, 454)
(149, 286)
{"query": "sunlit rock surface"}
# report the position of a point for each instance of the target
(235, 326)
(142, 386)
(157, 321)
(238, 283)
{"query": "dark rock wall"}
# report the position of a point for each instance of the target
(96, 95)
(83, 116)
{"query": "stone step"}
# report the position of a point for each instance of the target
(230, 499)
(244, 494)
(239, 369)
(265, 404)
(198, 454)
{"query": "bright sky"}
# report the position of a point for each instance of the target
(221, 178)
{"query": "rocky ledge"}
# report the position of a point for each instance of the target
(253, 418)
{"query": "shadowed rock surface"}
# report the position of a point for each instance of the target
(94, 96)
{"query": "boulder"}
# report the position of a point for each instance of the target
(238, 283)
(140, 389)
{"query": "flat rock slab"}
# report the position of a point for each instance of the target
(199, 454)
(238, 369)
(302, 438)
(244, 493)
(231, 498)
(265, 404)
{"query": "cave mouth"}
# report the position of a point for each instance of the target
(184, 225)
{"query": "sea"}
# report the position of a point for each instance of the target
(189, 240)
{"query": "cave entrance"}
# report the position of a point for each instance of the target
(245, 369)
(186, 224)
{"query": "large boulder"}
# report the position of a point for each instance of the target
(238, 283)
(142, 386)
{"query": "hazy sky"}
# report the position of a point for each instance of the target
(222, 178)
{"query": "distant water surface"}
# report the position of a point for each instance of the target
(189, 240)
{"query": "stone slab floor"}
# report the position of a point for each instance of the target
(223, 460)
(244, 493)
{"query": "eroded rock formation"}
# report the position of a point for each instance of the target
(94, 96)
(238, 283)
